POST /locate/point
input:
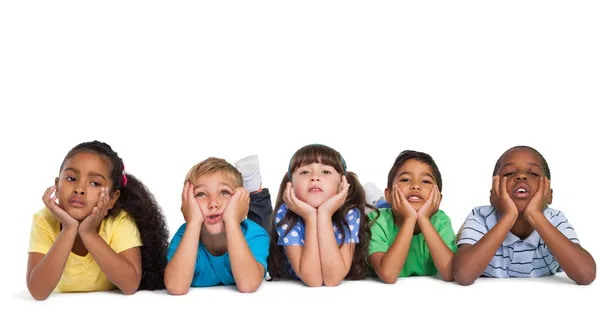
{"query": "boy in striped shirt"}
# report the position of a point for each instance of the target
(518, 235)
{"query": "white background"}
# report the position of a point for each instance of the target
(168, 84)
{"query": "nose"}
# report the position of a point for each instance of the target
(521, 177)
(78, 190)
(213, 204)
(415, 186)
(315, 177)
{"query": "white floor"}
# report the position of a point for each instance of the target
(552, 303)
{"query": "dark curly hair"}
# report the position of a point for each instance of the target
(544, 165)
(356, 198)
(136, 199)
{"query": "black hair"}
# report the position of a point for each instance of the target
(406, 155)
(544, 162)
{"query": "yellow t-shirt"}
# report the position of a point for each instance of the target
(82, 273)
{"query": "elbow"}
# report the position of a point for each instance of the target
(248, 287)
(312, 281)
(448, 277)
(587, 277)
(176, 289)
(38, 296)
(129, 291)
(389, 278)
(332, 282)
(461, 276)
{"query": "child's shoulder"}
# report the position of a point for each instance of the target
(43, 218)
(121, 219)
(555, 216)
(253, 229)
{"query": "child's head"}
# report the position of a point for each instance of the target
(87, 169)
(415, 173)
(522, 166)
(90, 166)
(215, 181)
(316, 173)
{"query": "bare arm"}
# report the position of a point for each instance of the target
(44, 271)
(389, 264)
(305, 260)
(247, 272)
(335, 261)
(440, 253)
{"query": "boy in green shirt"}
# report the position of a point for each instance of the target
(412, 236)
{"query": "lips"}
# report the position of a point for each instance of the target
(76, 202)
(214, 218)
(414, 198)
(522, 191)
(315, 190)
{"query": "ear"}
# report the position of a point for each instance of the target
(56, 182)
(387, 192)
(113, 199)
(550, 198)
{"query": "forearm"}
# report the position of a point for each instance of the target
(393, 260)
(247, 272)
(577, 262)
(310, 261)
(116, 268)
(45, 276)
(469, 263)
(180, 269)
(333, 266)
(440, 253)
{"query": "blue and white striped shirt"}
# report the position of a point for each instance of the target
(529, 258)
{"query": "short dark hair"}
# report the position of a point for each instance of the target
(406, 155)
(544, 162)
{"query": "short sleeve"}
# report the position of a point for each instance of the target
(561, 222)
(444, 228)
(295, 237)
(353, 219)
(473, 229)
(41, 237)
(258, 242)
(200, 257)
(126, 236)
(379, 237)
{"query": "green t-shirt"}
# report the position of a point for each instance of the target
(418, 260)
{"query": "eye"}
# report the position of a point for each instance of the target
(200, 195)
(427, 181)
(404, 180)
(509, 173)
(95, 184)
(70, 179)
(303, 172)
(326, 172)
(534, 174)
(225, 193)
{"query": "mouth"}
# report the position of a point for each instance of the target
(414, 198)
(76, 202)
(521, 191)
(214, 218)
(315, 190)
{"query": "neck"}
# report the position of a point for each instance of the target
(522, 228)
(216, 245)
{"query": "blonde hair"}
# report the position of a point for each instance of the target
(213, 165)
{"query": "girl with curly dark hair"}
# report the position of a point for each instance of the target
(106, 231)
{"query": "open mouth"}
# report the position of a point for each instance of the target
(414, 198)
(521, 192)
(76, 202)
(214, 218)
(315, 190)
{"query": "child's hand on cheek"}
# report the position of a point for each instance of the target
(333, 203)
(237, 207)
(303, 209)
(431, 206)
(189, 206)
(401, 206)
(540, 200)
(91, 222)
(500, 198)
(50, 201)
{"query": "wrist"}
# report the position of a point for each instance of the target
(531, 216)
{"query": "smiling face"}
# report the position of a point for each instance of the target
(80, 181)
(212, 192)
(315, 183)
(523, 169)
(415, 179)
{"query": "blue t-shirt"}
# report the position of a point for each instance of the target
(216, 270)
(295, 237)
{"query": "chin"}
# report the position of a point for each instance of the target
(215, 229)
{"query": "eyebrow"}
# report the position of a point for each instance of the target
(532, 164)
(410, 173)
(220, 183)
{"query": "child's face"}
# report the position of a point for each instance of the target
(315, 183)
(415, 179)
(523, 169)
(79, 184)
(213, 192)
